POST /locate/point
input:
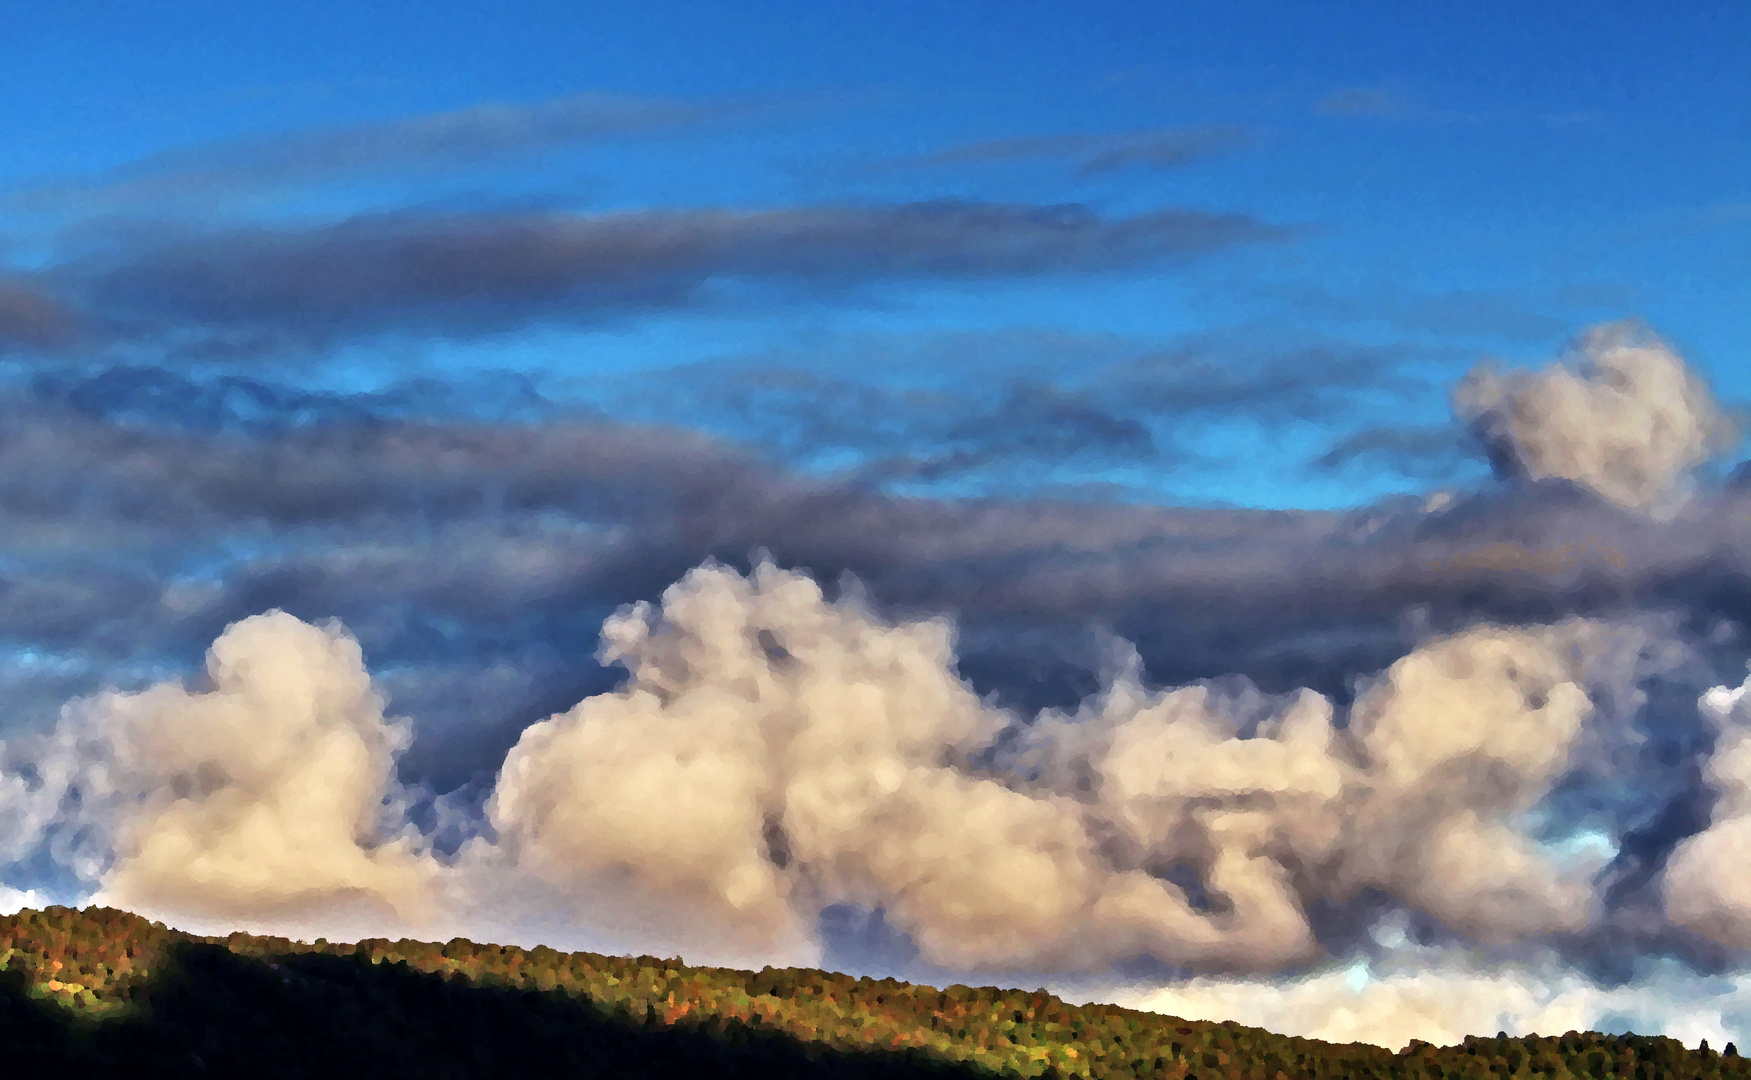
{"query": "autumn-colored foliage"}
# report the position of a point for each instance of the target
(108, 967)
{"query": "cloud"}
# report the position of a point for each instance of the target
(774, 753)
(144, 395)
(12, 901)
(1622, 415)
(1347, 1004)
(1706, 885)
(31, 319)
(261, 795)
(1511, 706)
(1019, 411)
(481, 135)
(806, 739)
(404, 526)
(463, 274)
(1302, 654)
(1229, 376)
(1363, 101)
(1443, 999)
(557, 512)
(1420, 451)
(1489, 768)
(68, 465)
(1415, 797)
(1380, 102)
(1093, 155)
(1057, 422)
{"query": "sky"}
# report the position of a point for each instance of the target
(1235, 508)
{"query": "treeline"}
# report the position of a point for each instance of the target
(100, 988)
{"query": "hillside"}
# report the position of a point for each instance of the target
(105, 989)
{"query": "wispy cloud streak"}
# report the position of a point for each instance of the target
(475, 137)
(1092, 155)
(463, 274)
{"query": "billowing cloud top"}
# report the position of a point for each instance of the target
(1623, 416)
(774, 753)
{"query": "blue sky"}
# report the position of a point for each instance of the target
(1419, 186)
(1125, 376)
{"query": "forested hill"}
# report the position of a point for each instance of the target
(100, 989)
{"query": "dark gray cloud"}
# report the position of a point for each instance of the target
(477, 136)
(488, 522)
(475, 273)
(1462, 314)
(135, 395)
(379, 470)
(62, 465)
(921, 434)
(1426, 452)
(1028, 408)
(1056, 422)
(1093, 155)
(1233, 375)
(32, 319)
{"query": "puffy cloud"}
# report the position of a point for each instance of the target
(13, 901)
(258, 800)
(773, 753)
(1442, 999)
(1347, 1004)
(1623, 415)
(1462, 736)
(1417, 796)
(1707, 884)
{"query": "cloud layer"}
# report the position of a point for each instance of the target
(770, 743)
(1314, 744)
(253, 290)
(774, 753)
